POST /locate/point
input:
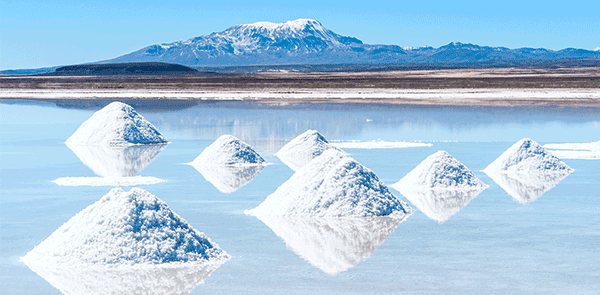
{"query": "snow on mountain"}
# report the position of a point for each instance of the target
(303, 149)
(440, 171)
(332, 245)
(228, 150)
(527, 156)
(597, 49)
(333, 185)
(257, 43)
(125, 228)
(116, 124)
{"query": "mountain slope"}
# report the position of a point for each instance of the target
(307, 41)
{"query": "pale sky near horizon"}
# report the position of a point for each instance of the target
(44, 33)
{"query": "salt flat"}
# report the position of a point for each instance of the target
(476, 97)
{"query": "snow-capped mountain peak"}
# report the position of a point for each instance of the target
(307, 41)
(597, 49)
(291, 25)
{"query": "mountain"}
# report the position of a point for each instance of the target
(307, 41)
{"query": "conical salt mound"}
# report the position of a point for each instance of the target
(440, 171)
(303, 149)
(116, 124)
(527, 156)
(333, 184)
(125, 228)
(228, 150)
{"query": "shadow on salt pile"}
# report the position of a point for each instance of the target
(526, 188)
(116, 165)
(332, 244)
(228, 179)
(440, 205)
(177, 279)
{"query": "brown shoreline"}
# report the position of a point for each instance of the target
(508, 78)
(284, 83)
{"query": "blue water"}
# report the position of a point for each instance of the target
(494, 245)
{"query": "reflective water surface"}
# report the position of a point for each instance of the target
(519, 236)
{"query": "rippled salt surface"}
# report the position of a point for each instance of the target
(490, 243)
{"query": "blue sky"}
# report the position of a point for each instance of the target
(44, 33)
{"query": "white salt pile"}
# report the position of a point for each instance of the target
(440, 171)
(527, 156)
(160, 279)
(228, 150)
(125, 228)
(333, 245)
(440, 186)
(586, 151)
(378, 144)
(303, 149)
(333, 184)
(229, 163)
(228, 179)
(116, 124)
(527, 170)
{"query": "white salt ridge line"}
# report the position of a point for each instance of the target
(304, 93)
(581, 155)
(378, 144)
(574, 146)
(107, 181)
(584, 151)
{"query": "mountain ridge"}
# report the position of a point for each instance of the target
(307, 41)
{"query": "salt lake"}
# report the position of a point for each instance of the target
(494, 243)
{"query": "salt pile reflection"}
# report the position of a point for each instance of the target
(116, 165)
(440, 205)
(526, 188)
(169, 279)
(228, 178)
(332, 244)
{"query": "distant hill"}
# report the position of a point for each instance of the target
(139, 68)
(307, 42)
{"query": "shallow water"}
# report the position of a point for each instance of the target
(492, 244)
